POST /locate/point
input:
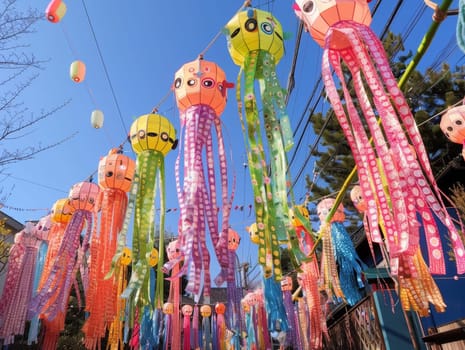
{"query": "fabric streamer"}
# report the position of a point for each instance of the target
(286, 287)
(206, 312)
(200, 88)
(220, 310)
(187, 311)
(52, 296)
(460, 31)
(412, 197)
(168, 325)
(18, 288)
(247, 305)
(256, 44)
(115, 174)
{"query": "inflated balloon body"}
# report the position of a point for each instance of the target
(55, 11)
(52, 296)
(255, 42)
(309, 276)
(453, 125)
(115, 174)
(349, 264)
(18, 288)
(341, 28)
(415, 291)
(200, 88)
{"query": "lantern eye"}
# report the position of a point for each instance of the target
(251, 24)
(91, 200)
(208, 83)
(267, 28)
(308, 6)
(109, 174)
(191, 82)
(177, 83)
(458, 122)
(233, 34)
(141, 134)
(164, 136)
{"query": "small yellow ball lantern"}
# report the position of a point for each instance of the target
(153, 257)
(205, 310)
(253, 233)
(62, 211)
(254, 29)
(152, 132)
(126, 256)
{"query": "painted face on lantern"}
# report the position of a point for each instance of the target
(43, 227)
(173, 250)
(84, 195)
(152, 132)
(205, 310)
(319, 15)
(325, 206)
(253, 233)
(153, 257)
(453, 124)
(220, 308)
(116, 171)
(126, 256)
(187, 310)
(357, 198)
(252, 30)
(233, 240)
(201, 82)
(62, 211)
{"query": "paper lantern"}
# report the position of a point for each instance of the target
(254, 29)
(201, 82)
(84, 195)
(286, 283)
(116, 171)
(77, 71)
(187, 310)
(173, 250)
(62, 211)
(253, 233)
(356, 195)
(55, 11)
(319, 16)
(233, 240)
(168, 308)
(126, 256)
(220, 308)
(205, 310)
(153, 132)
(453, 125)
(96, 119)
(325, 206)
(153, 257)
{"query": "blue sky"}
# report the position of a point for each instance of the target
(143, 43)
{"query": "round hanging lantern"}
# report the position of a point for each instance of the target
(153, 257)
(153, 132)
(84, 195)
(201, 82)
(61, 211)
(173, 250)
(251, 30)
(319, 16)
(116, 171)
(325, 206)
(453, 124)
(96, 119)
(357, 198)
(220, 308)
(77, 71)
(205, 311)
(233, 240)
(126, 256)
(303, 211)
(168, 308)
(55, 11)
(253, 233)
(187, 310)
